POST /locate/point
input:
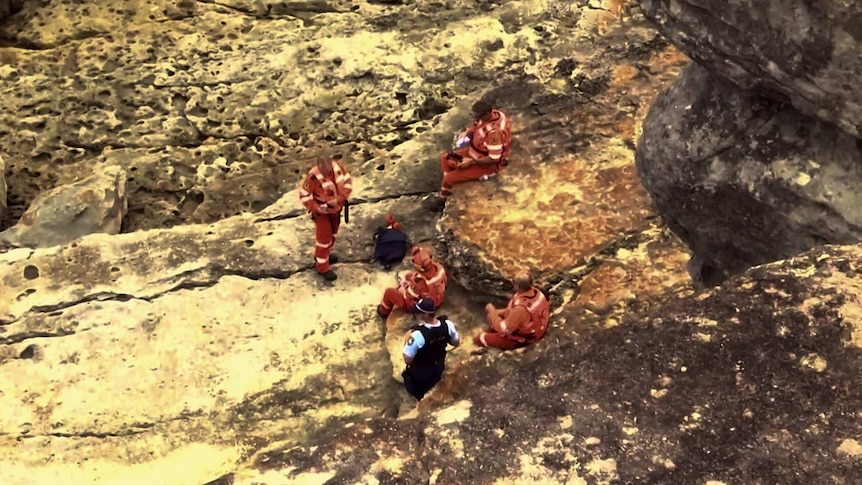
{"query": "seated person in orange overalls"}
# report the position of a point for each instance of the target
(522, 322)
(480, 152)
(429, 280)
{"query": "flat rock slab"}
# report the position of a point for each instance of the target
(571, 189)
(235, 344)
(708, 389)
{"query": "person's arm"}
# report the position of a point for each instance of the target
(513, 320)
(345, 182)
(494, 144)
(454, 337)
(306, 196)
(414, 342)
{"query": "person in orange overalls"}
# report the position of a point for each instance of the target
(522, 322)
(480, 152)
(326, 190)
(429, 280)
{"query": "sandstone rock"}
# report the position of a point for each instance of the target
(808, 52)
(63, 214)
(2, 189)
(571, 189)
(208, 340)
(743, 180)
(134, 355)
(647, 401)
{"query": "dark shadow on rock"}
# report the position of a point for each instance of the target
(222, 480)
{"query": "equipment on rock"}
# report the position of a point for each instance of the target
(390, 243)
(347, 212)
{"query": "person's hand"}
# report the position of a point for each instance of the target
(489, 308)
(466, 163)
(324, 209)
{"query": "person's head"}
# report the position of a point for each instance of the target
(426, 309)
(324, 164)
(422, 260)
(522, 281)
(482, 108)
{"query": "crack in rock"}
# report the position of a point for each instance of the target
(215, 273)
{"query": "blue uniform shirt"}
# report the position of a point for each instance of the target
(416, 341)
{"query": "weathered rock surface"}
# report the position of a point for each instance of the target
(190, 331)
(133, 356)
(754, 382)
(65, 213)
(571, 189)
(744, 180)
(806, 51)
(2, 189)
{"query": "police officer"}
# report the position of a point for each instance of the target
(425, 349)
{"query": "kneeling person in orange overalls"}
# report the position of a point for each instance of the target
(481, 151)
(324, 193)
(429, 280)
(522, 322)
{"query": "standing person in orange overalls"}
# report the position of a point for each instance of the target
(480, 152)
(325, 192)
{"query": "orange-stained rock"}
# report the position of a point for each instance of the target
(634, 279)
(571, 188)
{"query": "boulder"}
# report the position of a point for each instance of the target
(744, 180)
(63, 214)
(754, 382)
(807, 52)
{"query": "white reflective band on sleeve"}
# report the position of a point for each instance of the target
(503, 326)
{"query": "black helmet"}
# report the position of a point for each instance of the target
(426, 305)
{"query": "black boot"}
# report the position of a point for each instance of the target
(329, 275)
(333, 258)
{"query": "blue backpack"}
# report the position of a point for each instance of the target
(390, 246)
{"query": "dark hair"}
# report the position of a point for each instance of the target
(482, 107)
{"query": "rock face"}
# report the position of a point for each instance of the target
(753, 382)
(128, 357)
(2, 189)
(571, 190)
(94, 204)
(744, 180)
(806, 51)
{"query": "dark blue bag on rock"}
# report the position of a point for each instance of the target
(390, 243)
